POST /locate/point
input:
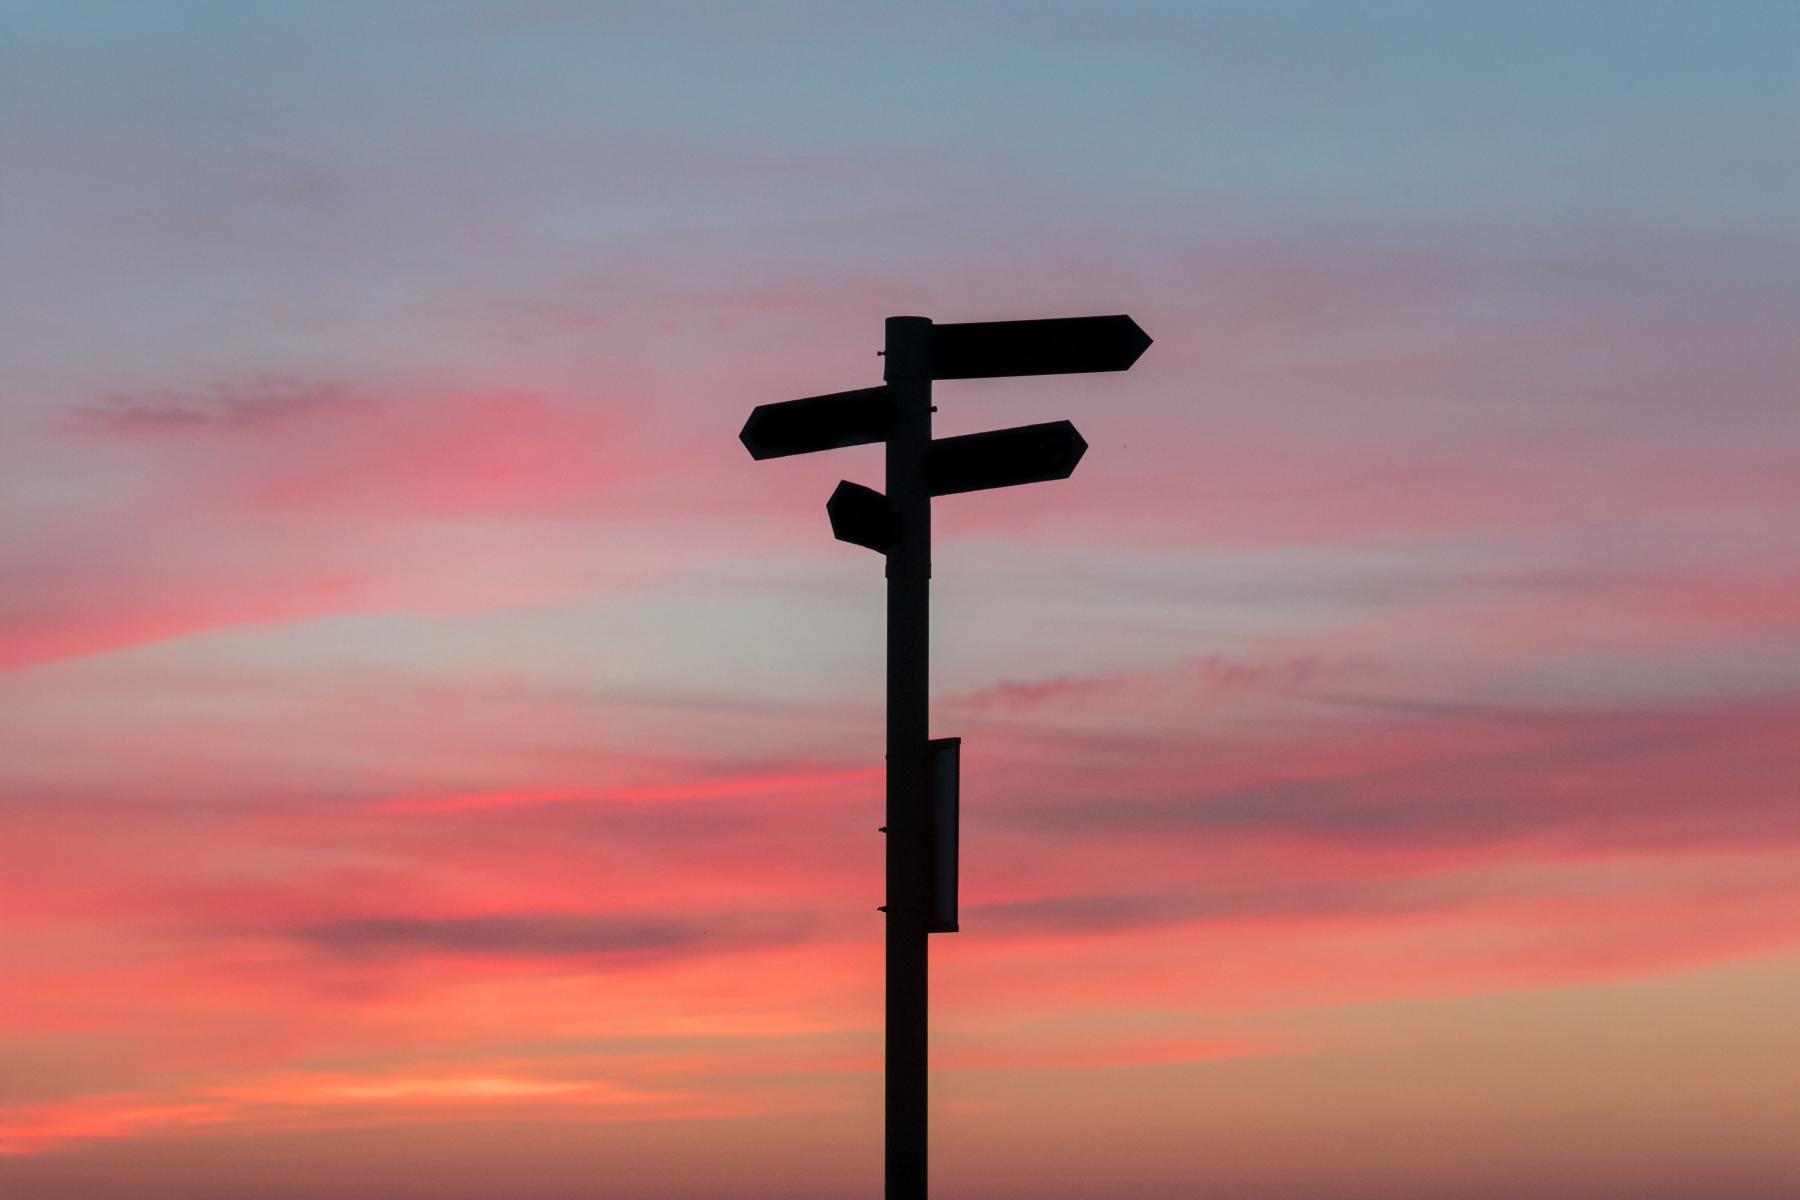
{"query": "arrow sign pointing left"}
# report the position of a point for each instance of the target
(1003, 457)
(816, 423)
(861, 516)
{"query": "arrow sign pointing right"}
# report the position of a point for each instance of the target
(816, 423)
(1058, 346)
(1003, 457)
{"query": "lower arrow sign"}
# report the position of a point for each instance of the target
(1004, 457)
(861, 516)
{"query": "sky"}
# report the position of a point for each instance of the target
(437, 761)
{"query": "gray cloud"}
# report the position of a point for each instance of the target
(1356, 899)
(1668, 779)
(551, 935)
(1118, 912)
(230, 406)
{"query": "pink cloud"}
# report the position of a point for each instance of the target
(320, 448)
(272, 501)
(96, 610)
(485, 454)
(772, 785)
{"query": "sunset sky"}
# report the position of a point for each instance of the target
(437, 762)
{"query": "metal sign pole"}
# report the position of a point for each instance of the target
(909, 847)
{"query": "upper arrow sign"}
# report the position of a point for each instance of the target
(816, 423)
(1003, 457)
(1059, 346)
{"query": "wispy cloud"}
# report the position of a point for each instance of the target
(241, 406)
(316, 1100)
(1212, 675)
(612, 940)
(1450, 776)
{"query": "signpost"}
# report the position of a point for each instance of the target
(922, 783)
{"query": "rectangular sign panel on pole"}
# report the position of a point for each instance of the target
(946, 819)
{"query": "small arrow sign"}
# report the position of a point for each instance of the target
(1059, 346)
(1004, 457)
(816, 423)
(861, 516)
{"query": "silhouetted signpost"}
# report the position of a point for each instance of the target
(922, 772)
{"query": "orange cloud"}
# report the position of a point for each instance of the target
(323, 1100)
(40, 1129)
